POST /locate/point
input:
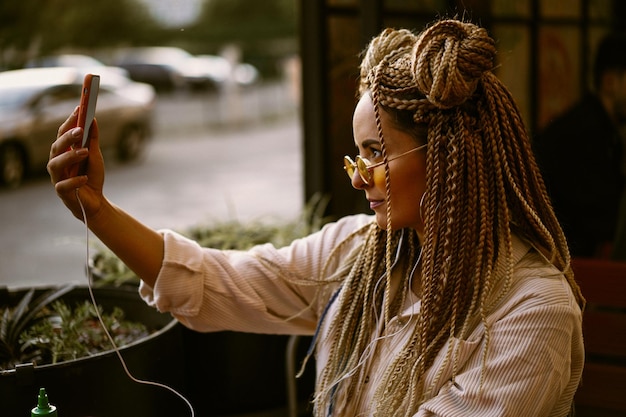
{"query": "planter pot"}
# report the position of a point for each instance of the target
(97, 386)
(221, 374)
(242, 374)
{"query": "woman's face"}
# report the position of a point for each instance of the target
(407, 173)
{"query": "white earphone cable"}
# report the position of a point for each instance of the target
(106, 331)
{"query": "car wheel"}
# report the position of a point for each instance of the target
(12, 166)
(131, 144)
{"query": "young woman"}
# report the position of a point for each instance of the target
(455, 298)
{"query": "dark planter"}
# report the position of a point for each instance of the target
(221, 374)
(243, 374)
(97, 386)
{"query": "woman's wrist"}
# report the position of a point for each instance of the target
(102, 216)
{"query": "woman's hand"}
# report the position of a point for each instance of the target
(64, 161)
(137, 245)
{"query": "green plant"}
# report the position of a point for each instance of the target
(24, 315)
(46, 329)
(71, 333)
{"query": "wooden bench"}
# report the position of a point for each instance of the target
(602, 392)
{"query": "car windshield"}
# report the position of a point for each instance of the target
(16, 96)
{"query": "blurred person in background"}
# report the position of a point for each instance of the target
(581, 154)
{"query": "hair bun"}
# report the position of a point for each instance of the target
(388, 43)
(448, 60)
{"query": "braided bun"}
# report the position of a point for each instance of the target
(387, 44)
(448, 60)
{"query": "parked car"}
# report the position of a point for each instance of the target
(166, 68)
(34, 102)
(64, 60)
(220, 69)
(81, 61)
(171, 68)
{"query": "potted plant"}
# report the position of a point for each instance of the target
(51, 338)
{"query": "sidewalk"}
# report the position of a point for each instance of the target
(251, 106)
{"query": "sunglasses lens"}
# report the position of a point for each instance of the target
(348, 165)
(361, 164)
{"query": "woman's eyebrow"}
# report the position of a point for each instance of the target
(369, 142)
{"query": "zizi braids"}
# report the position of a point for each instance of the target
(482, 183)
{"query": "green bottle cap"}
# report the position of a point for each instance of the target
(43, 406)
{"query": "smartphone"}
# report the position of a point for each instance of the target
(87, 111)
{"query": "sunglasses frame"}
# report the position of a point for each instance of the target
(364, 167)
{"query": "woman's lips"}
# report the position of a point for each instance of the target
(376, 203)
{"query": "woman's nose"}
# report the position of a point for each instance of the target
(357, 181)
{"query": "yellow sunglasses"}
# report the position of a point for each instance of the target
(365, 167)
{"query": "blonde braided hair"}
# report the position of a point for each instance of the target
(482, 182)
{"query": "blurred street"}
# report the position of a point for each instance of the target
(212, 159)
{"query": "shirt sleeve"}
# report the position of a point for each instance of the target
(262, 290)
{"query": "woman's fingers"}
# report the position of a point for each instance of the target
(69, 123)
(67, 135)
(63, 155)
(66, 188)
(66, 155)
(65, 141)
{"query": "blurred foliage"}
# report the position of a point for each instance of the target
(246, 20)
(33, 27)
(30, 28)
(265, 31)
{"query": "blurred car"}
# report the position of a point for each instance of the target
(64, 60)
(83, 62)
(34, 102)
(171, 68)
(166, 68)
(220, 69)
